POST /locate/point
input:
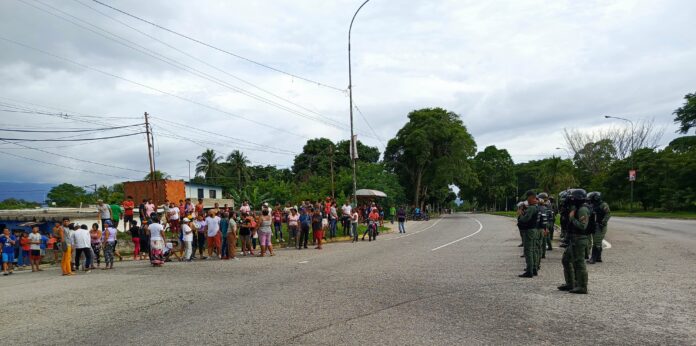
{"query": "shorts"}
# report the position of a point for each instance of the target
(127, 219)
(214, 242)
(245, 238)
(319, 234)
(35, 254)
(8, 257)
(174, 225)
(264, 239)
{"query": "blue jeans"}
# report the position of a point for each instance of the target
(23, 258)
(354, 230)
(402, 227)
(278, 230)
(224, 250)
(332, 228)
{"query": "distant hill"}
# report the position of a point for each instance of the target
(35, 192)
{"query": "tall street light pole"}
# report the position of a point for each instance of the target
(353, 144)
(630, 177)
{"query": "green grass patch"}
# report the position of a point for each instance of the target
(657, 214)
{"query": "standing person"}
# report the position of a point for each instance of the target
(135, 238)
(354, 221)
(245, 234)
(116, 214)
(65, 246)
(104, 211)
(35, 249)
(200, 208)
(128, 206)
(24, 250)
(109, 245)
(245, 208)
(156, 242)
(346, 215)
(173, 217)
(265, 233)
(142, 213)
(401, 216)
(527, 223)
(224, 228)
(201, 230)
(232, 237)
(603, 214)
(189, 209)
(51, 248)
(278, 223)
(318, 227)
(214, 243)
(83, 245)
(333, 220)
(574, 268)
(293, 225)
(8, 241)
(188, 239)
(144, 240)
(392, 213)
(305, 223)
(95, 241)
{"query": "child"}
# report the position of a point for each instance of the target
(7, 240)
(35, 248)
(25, 247)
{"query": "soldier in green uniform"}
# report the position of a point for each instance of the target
(527, 223)
(563, 211)
(574, 268)
(603, 214)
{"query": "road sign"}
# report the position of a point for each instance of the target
(632, 175)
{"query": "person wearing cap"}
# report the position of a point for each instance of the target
(187, 232)
(527, 222)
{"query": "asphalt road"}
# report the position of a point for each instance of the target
(395, 291)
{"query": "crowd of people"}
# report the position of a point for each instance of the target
(583, 222)
(186, 231)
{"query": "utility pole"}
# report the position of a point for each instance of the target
(151, 157)
(331, 163)
(353, 145)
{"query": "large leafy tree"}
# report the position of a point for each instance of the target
(366, 153)
(68, 195)
(314, 158)
(685, 115)
(159, 175)
(208, 164)
(433, 150)
(495, 173)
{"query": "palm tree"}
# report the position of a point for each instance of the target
(239, 166)
(208, 164)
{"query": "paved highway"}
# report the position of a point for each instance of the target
(449, 281)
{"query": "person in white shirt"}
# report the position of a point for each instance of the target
(345, 218)
(173, 219)
(35, 248)
(82, 245)
(188, 239)
(214, 236)
(156, 241)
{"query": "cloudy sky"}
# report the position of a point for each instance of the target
(517, 72)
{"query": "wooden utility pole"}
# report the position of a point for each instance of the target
(331, 163)
(151, 157)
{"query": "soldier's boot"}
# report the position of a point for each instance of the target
(593, 258)
(580, 284)
(564, 288)
(569, 279)
(599, 255)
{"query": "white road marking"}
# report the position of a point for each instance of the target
(462, 238)
(424, 229)
(303, 262)
(607, 245)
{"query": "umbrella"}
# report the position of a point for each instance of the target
(370, 193)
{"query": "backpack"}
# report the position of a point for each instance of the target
(532, 223)
(592, 220)
(542, 217)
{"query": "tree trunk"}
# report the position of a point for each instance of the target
(419, 177)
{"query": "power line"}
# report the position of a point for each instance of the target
(203, 61)
(220, 49)
(144, 50)
(147, 86)
(67, 140)
(368, 125)
(62, 166)
(63, 131)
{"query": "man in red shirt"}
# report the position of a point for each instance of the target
(128, 206)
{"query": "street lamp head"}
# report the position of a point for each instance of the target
(607, 117)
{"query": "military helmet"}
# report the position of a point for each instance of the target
(594, 196)
(543, 196)
(563, 195)
(577, 195)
